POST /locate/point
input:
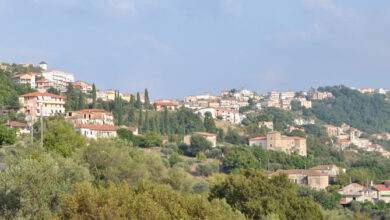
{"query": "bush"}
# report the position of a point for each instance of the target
(207, 169)
(174, 159)
(214, 153)
(201, 187)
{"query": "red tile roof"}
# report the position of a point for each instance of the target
(41, 80)
(16, 124)
(381, 187)
(322, 167)
(358, 185)
(205, 134)
(93, 110)
(258, 138)
(165, 104)
(93, 127)
(34, 94)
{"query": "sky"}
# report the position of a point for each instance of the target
(177, 48)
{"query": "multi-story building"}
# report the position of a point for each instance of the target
(96, 131)
(229, 115)
(331, 170)
(310, 178)
(91, 116)
(278, 142)
(38, 104)
(83, 86)
(26, 78)
(59, 78)
(43, 85)
(332, 131)
(372, 192)
(289, 94)
(267, 124)
(160, 106)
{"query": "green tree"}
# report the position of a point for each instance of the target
(258, 196)
(138, 103)
(147, 101)
(240, 158)
(140, 120)
(7, 136)
(59, 136)
(93, 96)
(199, 144)
(209, 123)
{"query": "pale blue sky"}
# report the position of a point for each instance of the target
(182, 47)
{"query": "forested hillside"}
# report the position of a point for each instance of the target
(367, 112)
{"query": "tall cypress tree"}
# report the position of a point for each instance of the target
(140, 120)
(147, 101)
(146, 122)
(131, 116)
(166, 122)
(93, 96)
(132, 100)
(138, 102)
(209, 123)
(80, 102)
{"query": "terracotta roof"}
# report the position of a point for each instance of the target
(41, 80)
(133, 129)
(258, 138)
(381, 187)
(322, 167)
(164, 104)
(358, 185)
(34, 94)
(104, 127)
(205, 134)
(92, 110)
(16, 124)
(342, 141)
(304, 172)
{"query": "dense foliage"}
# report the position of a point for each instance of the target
(257, 196)
(367, 112)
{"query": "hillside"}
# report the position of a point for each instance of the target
(367, 112)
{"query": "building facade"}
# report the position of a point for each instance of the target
(38, 104)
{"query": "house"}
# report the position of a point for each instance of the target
(190, 99)
(331, 170)
(134, 130)
(229, 115)
(31, 104)
(96, 131)
(289, 94)
(267, 124)
(210, 137)
(126, 96)
(83, 86)
(352, 192)
(43, 65)
(204, 110)
(342, 144)
(277, 142)
(160, 106)
(60, 79)
(310, 178)
(332, 130)
(306, 103)
(366, 90)
(22, 127)
(27, 64)
(91, 116)
(26, 78)
(43, 85)
(302, 121)
(372, 193)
